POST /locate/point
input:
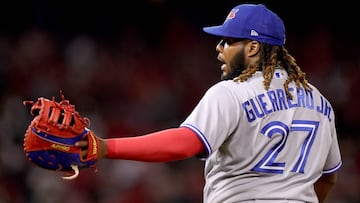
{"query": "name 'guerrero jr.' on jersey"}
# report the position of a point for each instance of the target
(259, 106)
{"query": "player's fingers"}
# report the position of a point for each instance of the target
(82, 144)
(84, 153)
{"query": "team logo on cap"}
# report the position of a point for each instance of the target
(232, 14)
(254, 33)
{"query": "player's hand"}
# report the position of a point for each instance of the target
(102, 147)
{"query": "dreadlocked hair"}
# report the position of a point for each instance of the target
(272, 57)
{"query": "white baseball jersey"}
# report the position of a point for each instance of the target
(262, 147)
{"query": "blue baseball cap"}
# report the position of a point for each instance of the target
(251, 21)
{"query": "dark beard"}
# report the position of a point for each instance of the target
(237, 66)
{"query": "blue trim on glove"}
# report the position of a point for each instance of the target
(60, 140)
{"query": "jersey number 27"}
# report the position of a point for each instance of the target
(268, 163)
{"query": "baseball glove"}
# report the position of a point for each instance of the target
(49, 139)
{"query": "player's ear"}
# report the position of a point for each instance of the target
(252, 48)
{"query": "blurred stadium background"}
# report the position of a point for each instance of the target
(135, 67)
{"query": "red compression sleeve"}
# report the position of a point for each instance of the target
(163, 146)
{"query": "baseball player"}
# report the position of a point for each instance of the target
(266, 134)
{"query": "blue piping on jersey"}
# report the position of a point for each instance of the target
(328, 171)
(201, 136)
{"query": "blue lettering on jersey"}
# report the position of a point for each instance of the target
(281, 99)
(291, 103)
(276, 100)
(325, 108)
(258, 111)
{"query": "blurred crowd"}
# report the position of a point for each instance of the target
(131, 84)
